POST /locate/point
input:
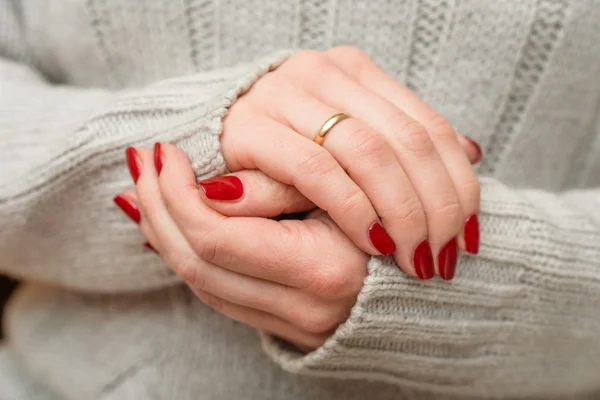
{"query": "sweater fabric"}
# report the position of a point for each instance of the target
(103, 318)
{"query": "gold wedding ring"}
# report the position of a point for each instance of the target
(328, 126)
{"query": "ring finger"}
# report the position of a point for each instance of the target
(414, 150)
(371, 162)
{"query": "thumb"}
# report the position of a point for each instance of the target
(251, 193)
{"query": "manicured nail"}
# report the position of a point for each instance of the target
(158, 157)
(149, 247)
(128, 207)
(381, 240)
(224, 188)
(471, 234)
(447, 260)
(478, 148)
(134, 162)
(423, 261)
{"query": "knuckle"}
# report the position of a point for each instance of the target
(354, 58)
(316, 321)
(317, 163)
(186, 194)
(212, 249)
(314, 58)
(472, 187)
(242, 114)
(213, 302)
(187, 268)
(286, 196)
(146, 204)
(415, 138)
(440, 127)
(369, 145)
(355, 200)
(207, 249)
(272, 86)
(332, 283)
(409, 211)
(448, 208)
(310, 66)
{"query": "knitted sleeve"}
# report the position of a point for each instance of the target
(62, 162)
(521, 318)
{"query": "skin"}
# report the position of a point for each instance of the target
(383, 164)
(396, 161)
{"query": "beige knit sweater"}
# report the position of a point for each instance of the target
(80, 80)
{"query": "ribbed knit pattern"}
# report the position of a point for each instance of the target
(82, 80)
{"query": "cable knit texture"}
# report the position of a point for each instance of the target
(81, 80)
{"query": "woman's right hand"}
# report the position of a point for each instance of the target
(394, 177)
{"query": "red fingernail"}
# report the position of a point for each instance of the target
(381, 240)
(158, 157)
(128, 207)
(149, 247)
(471, 234)
(223, 188)
(447, 260)
(423, 261)
(478, 148)
(134, 162)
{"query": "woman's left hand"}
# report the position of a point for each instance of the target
(297, 280)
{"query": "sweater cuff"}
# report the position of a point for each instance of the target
(186, 111)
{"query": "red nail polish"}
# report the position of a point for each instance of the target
(158, 157)
(134, 162)
(471, 234)
(128, 207)
(381, 240)
(225, 188)
(423, 261)
(447, 260)
(149, 247)
(477, 147)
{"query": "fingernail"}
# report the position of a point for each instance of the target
(471, 234)
(447, 260)
(149, 247)
(381, 240)
(423, 261)
(134, 162)
(128, 207)
(158, 157)
(225, 188)
(478, 148)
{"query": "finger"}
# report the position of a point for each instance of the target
(360, 67)
(251, 193)
(413, 148)
(237, 295)
(371, 162)
(291, 159)
(240, 289)
(366, 72)
(127, 202)
(303, 310)
(264, 321)
(156, 223)
(189, 234)
(278, 251)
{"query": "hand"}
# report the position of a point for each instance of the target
(295, 279)
(394, 177)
